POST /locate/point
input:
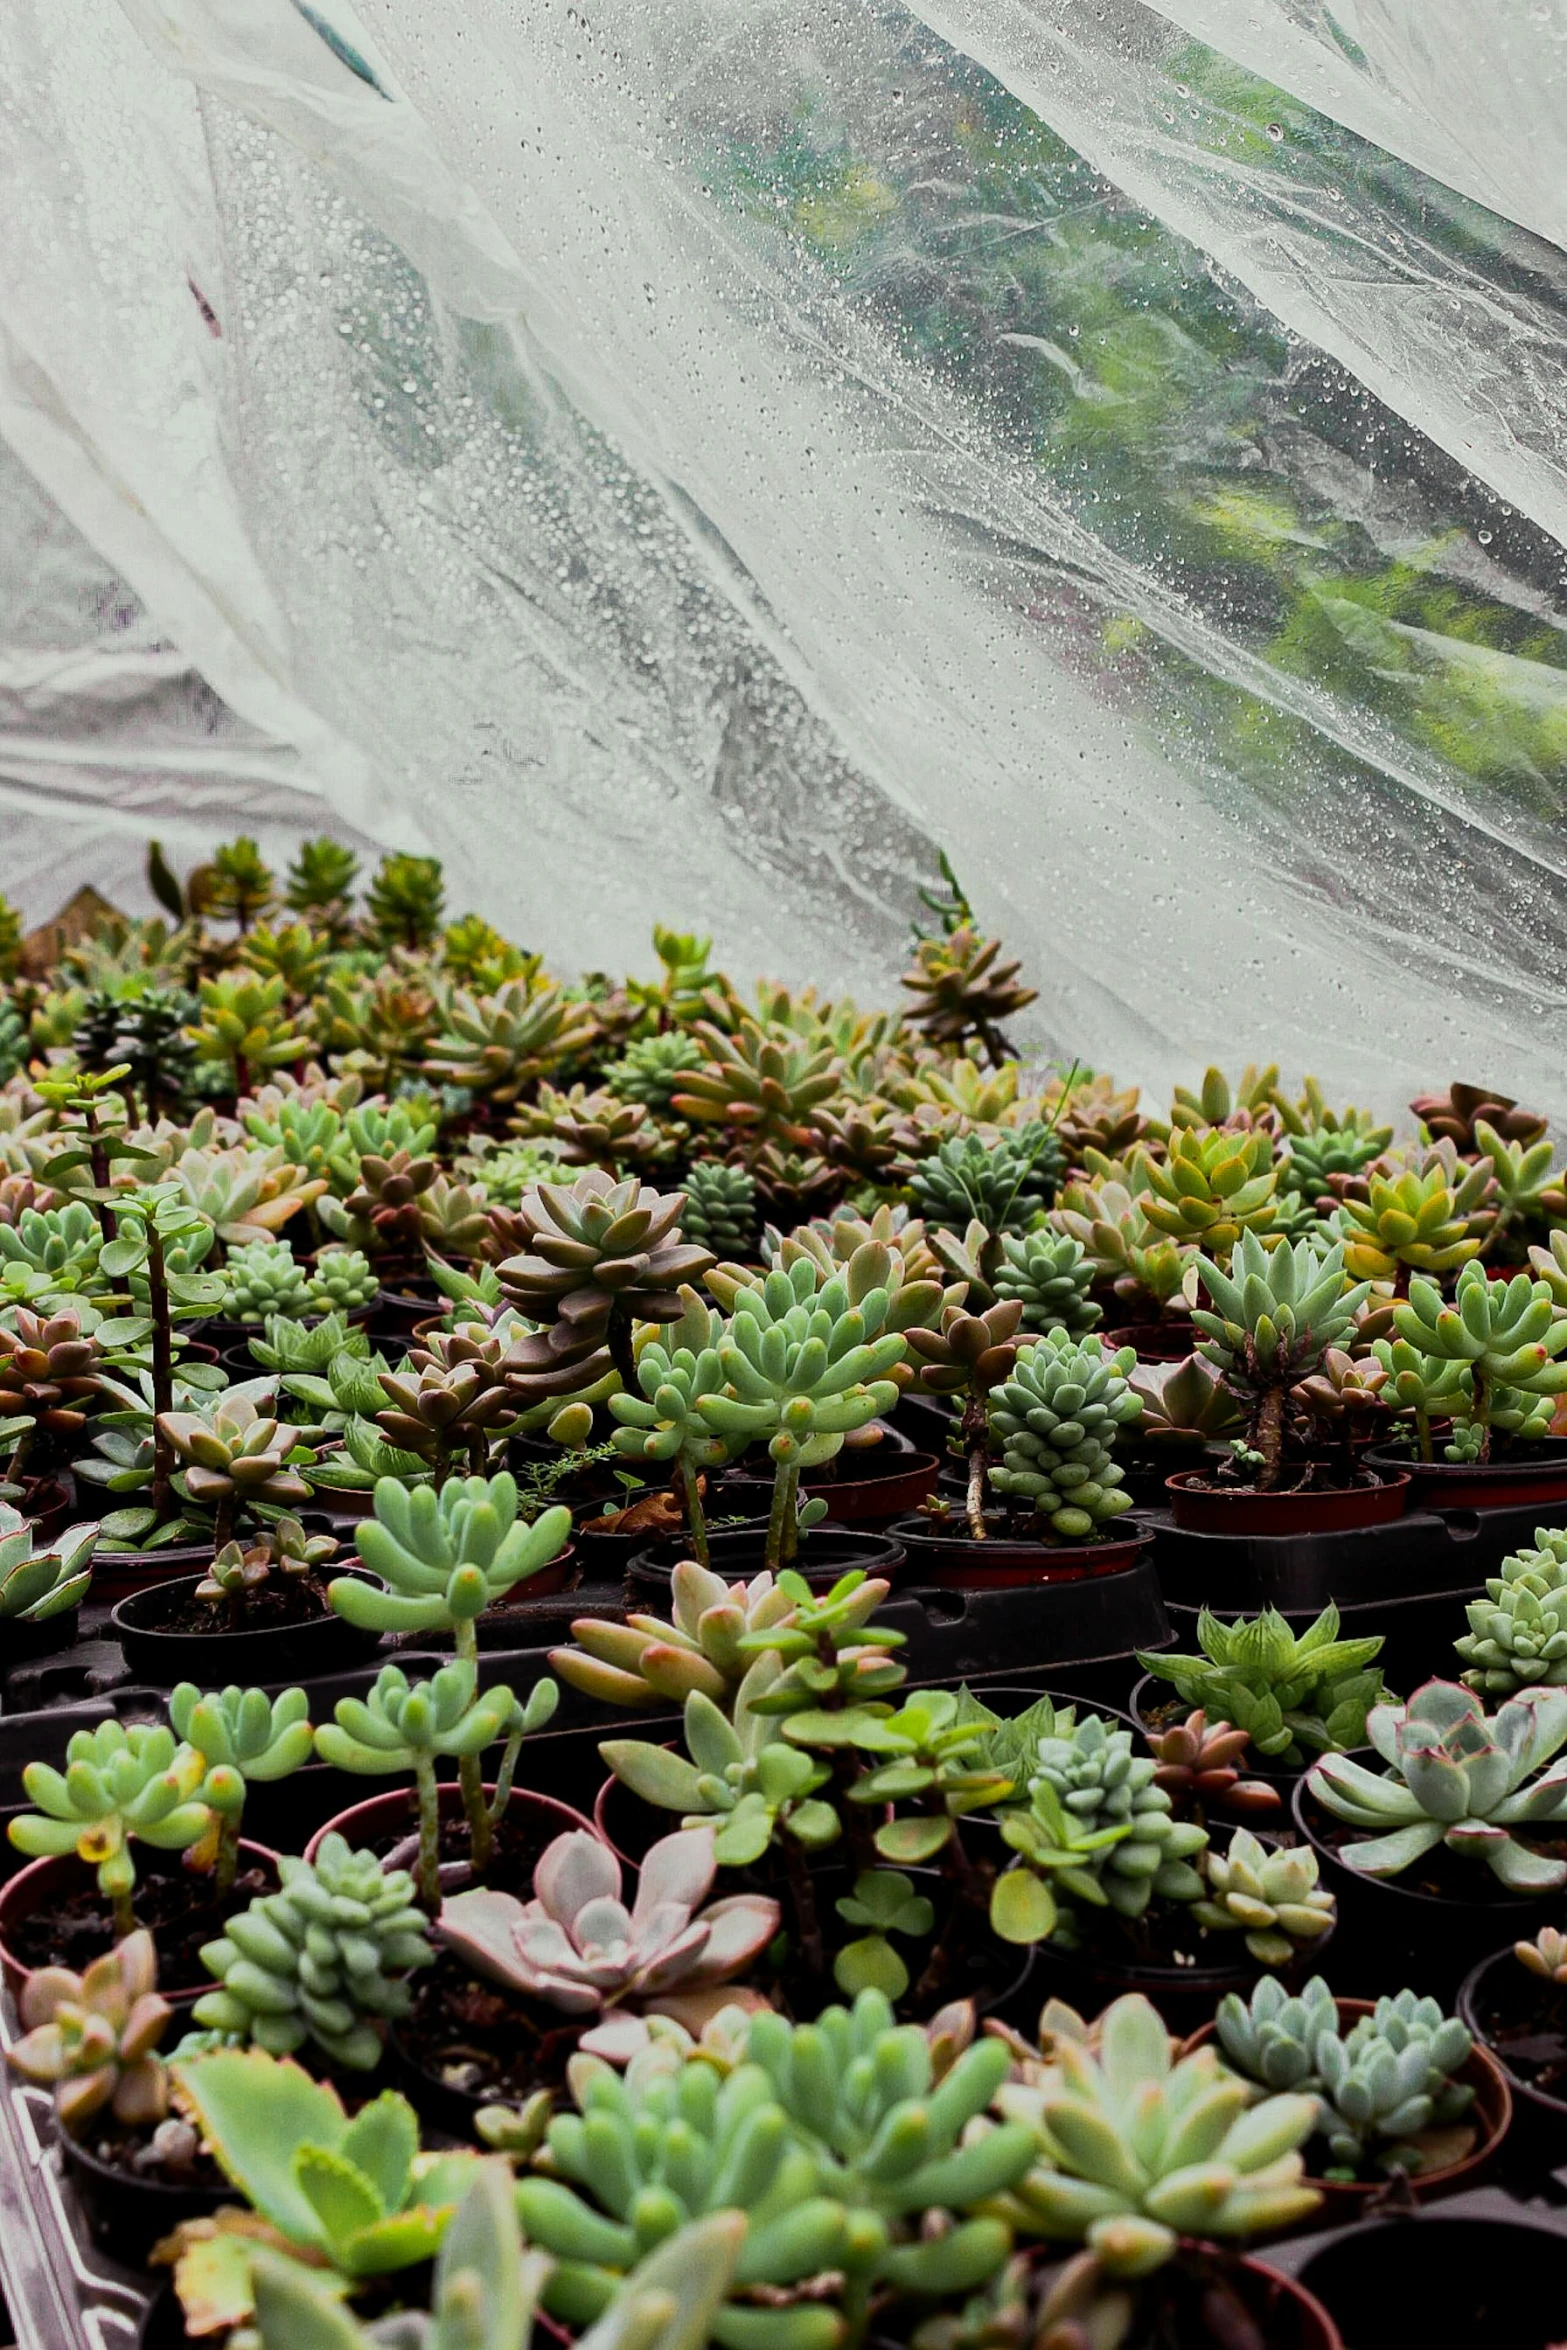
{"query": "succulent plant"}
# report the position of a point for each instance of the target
(50, 1369)
(475, 952)
(968, 1357)
(1049, 1274)
(1451, 1116)
(649, 1069)
(1137, 2149)
(1106, 1218)
(264, 1278)
(1054, 1420)
(1323, 1152)
(805, 1366)
(151, 1039)
(1274, 1315)
(235, 1456)
(62, 1241)
(243, 1194)
(92, 2038)
(383, 1213)
(1386, 2091)
(1215, 1184)
(446, 1556)
(119, 1787)
(499, 1045)
(1091, 1796)
(738, 1776)
(244, 1737)
(1185, 1406)
(1503, 1337)
(577, 1946)
(39, 1579)
(354, 2198)
(238, 885)
(1545, 1956)
(407, 1726)
(960, 989)
(445, 1401)
(243, 1026)
(647, 1662)
(1528, 1194)
(1517, 1637)
(1001, 1180)
(1456, 1777)
(1293, 1694)
(326, 1959)
(1407, 1221)
(405, 900)
(763, 1085)
(720, 1209)
(1269, 1893)
(594, 1255)
(1197, 1765)
(322, 880)
(674, 1371)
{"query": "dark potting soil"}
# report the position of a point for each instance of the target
(281, 1600)
(1200, 2302)
(178, 1907)
(484, 2042)
(1444, 1873)
(1298, 1477)
(120, 2148)
(520, 1838)
(1524, 2019)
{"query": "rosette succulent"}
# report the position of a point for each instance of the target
(92, 2038)
(1215, 1184)
(39, 1580)
(1097, 1828)
(444, 1557)
(263, 1279)
(594, 1256)
(245, 1738)
(1458, 1777)
(1001, 1179)
(648, 1662)
(1054, 1421)
(1502, 1337)
(120, 1786)
(1274, 1315)
(1517, 1637)
(960, 988)
(1049, 1275)
(1291, 1693)
(1269, 1893)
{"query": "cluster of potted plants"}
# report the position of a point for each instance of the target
(364, 1287)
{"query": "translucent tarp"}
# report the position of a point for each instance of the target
(675, 457)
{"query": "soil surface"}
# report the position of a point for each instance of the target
(112, 2143)
(1523, 2018)
(177, 1906)
(519, 1840)
(281, 1600)
(480, 2041)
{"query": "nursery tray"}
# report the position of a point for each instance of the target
(1424, 1552)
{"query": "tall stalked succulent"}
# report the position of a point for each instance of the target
(1054, 1421)
(1517, 1637)
(579, 1947)
(401, 1725)
(246, 1738)
(662, 1423)
(968, 1358)
(1293, 1694)
(1272, 1318)
(593, 1257)
(449, 1400)
(1458, 1777)
(960, 989)
(1502, 1337)
(321, 882)
(234, 1455)
(1137, 2150)
(243, 1026)
(326, 1959)
(805, 1366)
(406, 900)
(1216, 1184)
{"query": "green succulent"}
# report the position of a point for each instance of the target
(406, 900)
(264, 1279)
(1087, 1783)
(1528, 1194)
(720, 1211)
(245, 1738)
(1504, 1335)
(1457, 1777)
(1054, 1421)
(737, 1774)
(1001, 1180)
(1269, 1893)
(1215, 1184)
(325, 1959)
(1293, 1694)
(1517, 1637)
(322, 877)
(647, 1662)
(1137, 2149)
(1407, 1221)
(238, 885)
(244, 1026)
(348, 1387)
(1274, 1315)
(445, 1557)
(1316, 1157)
(63, 1242)
(40, 1580)
(1049, 1274)
(649, 1070)
(499, 1045)
(341, 1280)
(675, 1370)
(152, 1040)
(120, 1786)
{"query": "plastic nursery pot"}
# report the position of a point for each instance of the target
(126, 2211)
(1503, 2004)
(22, 1641)
(1489, 2278)
(943, 1552)
(1397, 1933)
(1288, 2315)
(1201, 1508)
(264, 1656)
(874, 1482)
(51, 1504)
(826, 1553)
(1186, 1996)
(1150, 1693)
(1491, 2113)
(395, 1314)
(384, 1822)
(44, 1882)
(117, 1573)
(1535, 1474)
(1156, 1342)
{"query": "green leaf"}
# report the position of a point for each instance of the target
(1022, 1907)
(870, 1964)
(343, 2199)
(913, 1840)
(381, 2141)
(255, 2113)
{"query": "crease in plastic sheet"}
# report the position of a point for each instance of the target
(631, 415)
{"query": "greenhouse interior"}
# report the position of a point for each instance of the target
(783, 1205)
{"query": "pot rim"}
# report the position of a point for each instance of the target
(1467, 1993)
(450, 1801)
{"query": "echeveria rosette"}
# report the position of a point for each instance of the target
(1457, 1777)
(445, 1557)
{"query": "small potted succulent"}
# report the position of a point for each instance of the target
(1293, 1695)
(259, 1613)
(1474, 1382)
(1515, 2004)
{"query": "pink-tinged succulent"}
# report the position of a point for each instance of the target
(93, 2037)
(577, 1946)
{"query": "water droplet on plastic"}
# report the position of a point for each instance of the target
(1275, 132)
(1484, 537)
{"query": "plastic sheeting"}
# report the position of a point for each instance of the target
(688, 460)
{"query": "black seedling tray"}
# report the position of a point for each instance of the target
(1426, 1553)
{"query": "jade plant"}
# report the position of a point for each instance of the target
(120, 1787)
(1273, 1317)
(795, 2135)
(93, 2038)
(1502, 1338)
(1388, 2096)
(1292, 1694)
(403, 1726)
(1474, 1783)
(576, 1945)
(245, 1738)
(1054, 1421)
(325, 1959)
(1517, 1637)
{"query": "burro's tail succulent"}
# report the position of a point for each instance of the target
(1455, 1776)
(1136, 2150)
(578, 1947)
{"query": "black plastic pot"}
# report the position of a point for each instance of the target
(826, 1553)
(1477, 2000)
(873, 1483)
(278, 1652)
(1416, 1555)
(1199, 1506)
(1474, 2270)
(126, 2212)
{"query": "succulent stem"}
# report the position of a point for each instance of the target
(802, 1899)
(162, 1372)
(782, 1533)
(427, 1870)
(696, 1519)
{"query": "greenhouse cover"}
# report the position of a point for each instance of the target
(698, 458)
